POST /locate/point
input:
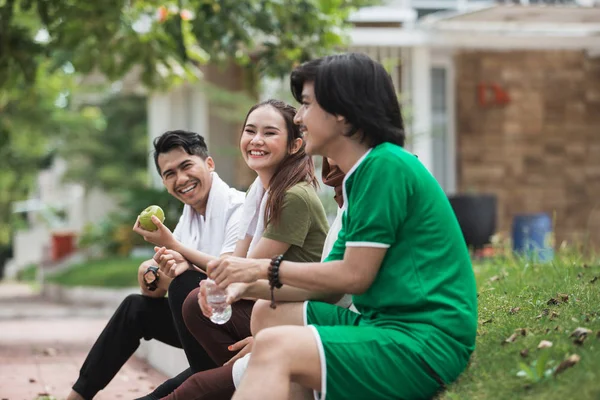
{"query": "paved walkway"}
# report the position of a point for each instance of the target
(42, 346)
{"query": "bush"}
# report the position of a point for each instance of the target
(27, 274)
(114, 234)
(114, 272)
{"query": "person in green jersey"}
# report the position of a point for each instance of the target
(400, 252)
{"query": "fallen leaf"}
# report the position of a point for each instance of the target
(495, 278)
(594, 280)
(580, 335)
(510, 339)
(31, 380)
(553, 315)
(552, 302)
(580, 332)
(524, 353)
(50, 352)
(521, 331)
(579, 341)
(544, 344)
(487, 321)
(545, 311)
(515, 310)
(564, 297)
(568, 363)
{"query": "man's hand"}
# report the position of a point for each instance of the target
(245, 345)
(160, 237)
(170, 262)
(228, 270)
(235, 292)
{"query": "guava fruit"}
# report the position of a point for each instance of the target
(146, 217)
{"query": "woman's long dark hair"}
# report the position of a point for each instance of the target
(295, 168)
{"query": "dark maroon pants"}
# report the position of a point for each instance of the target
(214, 384)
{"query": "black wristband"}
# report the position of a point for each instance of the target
(273, 275)
(153, 285)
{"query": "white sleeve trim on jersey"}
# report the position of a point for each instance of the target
(368, 244)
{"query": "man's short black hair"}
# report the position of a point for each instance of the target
(359, 89)
(191, 142)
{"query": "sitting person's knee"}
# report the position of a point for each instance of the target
(144, 266)
(261, 313)
(270, 340)
(133, 306)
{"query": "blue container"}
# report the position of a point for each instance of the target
(532, 236)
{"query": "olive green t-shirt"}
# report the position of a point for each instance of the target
(425, 286)
(302, 224)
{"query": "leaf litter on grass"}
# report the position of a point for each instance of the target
(549, 302)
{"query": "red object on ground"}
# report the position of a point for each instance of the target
(63, 244)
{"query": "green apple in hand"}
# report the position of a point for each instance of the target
(146, 217)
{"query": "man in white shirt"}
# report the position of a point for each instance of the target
(209, 223)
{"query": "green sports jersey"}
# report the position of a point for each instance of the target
(425, 286)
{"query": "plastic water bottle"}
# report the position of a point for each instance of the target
(216, 299)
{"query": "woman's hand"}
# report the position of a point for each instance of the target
(246, 347)
(235, 292)
(170, 262)
(160, 237)
(225, 271)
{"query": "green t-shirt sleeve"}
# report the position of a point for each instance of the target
(294, 221)
(377, 204)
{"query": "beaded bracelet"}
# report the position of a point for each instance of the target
(273, 275)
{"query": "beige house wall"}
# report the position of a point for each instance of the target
(540, 152)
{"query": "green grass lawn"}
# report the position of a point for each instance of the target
(27, 274)
(111, 272)
(537, 302)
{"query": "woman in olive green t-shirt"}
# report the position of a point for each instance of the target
(285, 216)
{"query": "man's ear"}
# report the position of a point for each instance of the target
(297, 145)
(210, 163)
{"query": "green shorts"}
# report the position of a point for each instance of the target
(359, 361)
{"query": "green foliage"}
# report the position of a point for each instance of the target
(537, 302)
(114, 272)
(113, 156)
(114, 235)
(27, 274)
(32, 118)
(46, 45)
(167, 39)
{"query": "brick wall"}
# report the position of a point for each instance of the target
(541, 151)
